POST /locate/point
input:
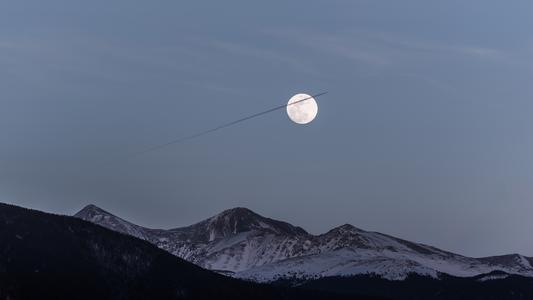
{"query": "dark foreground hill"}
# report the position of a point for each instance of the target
(45, 256)
(493, 286)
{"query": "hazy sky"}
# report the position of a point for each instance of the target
(425, 133)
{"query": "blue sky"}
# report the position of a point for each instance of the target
(424, 134)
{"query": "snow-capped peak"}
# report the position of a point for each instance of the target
(95, 214)
(346, 228)
(235, 221)
(91, 209)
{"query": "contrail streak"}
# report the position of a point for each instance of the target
(192, 136)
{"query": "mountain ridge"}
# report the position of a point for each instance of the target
(247, 245)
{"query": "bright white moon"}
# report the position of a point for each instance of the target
(304, 111)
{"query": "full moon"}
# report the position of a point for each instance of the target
(303, 111)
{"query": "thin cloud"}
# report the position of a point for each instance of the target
(263, 54)
(381, 49)
(346, 47)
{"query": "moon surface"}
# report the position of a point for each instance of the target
(304, 111)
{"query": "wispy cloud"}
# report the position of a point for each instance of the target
(381, 49)
(343, 46)
(486, 53)
(356, 52)
(271, 55)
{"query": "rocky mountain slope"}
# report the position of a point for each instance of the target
(246, 245)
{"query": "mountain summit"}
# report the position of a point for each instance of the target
(95, 214)
(241, 220)
(247, 245)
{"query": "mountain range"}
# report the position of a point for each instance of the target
(243, 244)
(46, 256)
